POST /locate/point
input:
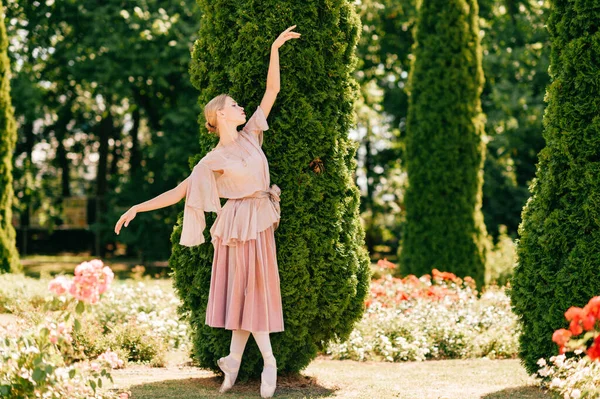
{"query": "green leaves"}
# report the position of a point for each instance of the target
(9, 257)
(559, 247)
(444, 148)
(38, 374)
(323, 266)
(80, 308)
(77, 325)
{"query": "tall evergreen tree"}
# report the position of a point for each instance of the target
(444, 149)
(559, 249)
(9, 257)
(323, 265)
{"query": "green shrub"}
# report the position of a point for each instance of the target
(9, 257)
(559, 248)
(323, 266)
(137, 343)
(444, 150)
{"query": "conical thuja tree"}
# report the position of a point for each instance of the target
(559, 248)
(444, 149)
(9, 257)
(323, 266)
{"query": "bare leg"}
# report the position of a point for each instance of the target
(231, 363)
(269, 374)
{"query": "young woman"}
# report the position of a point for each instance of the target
(244, 291)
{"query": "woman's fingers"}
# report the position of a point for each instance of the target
(124, 219)
(118, 225)
(291, 35)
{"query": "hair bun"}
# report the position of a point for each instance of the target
(210, 127)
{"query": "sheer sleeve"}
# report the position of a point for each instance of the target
(201, 196)
(257, 124)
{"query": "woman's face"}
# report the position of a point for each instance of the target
(233, 113)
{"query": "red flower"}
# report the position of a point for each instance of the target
(594, 351)
(589, 322)
(561, 337)
(385, 264)
(561, 350)
(575, 327)
(411, 279)
(593, 307)
(402, 296)
(443, 275)
(575, 315)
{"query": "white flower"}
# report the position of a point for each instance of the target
(575, 394)
(545, 372)
(557, 383)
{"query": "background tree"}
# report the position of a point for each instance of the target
(383, 53)
(113, 107)
(9, 258)
(444, 149)
(559, 250)
(516, 52)
(323, 265)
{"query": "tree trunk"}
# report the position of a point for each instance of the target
(135, 153)
(105, 131)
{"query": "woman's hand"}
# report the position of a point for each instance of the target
(125, 218)
(285, 36)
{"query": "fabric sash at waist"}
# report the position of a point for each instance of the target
(241, 219)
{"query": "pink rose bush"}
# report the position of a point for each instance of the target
(91, 280)
(112, 359)
(59, 331)
(32, 363)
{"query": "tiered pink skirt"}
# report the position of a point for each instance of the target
(245, 288)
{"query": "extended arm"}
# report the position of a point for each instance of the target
(163, 200)
(273, 81)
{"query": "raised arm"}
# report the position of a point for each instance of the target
(273, 81)
(163, 200)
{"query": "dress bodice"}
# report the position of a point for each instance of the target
(237, 170)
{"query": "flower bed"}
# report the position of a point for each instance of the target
(432, 317)
(577, 375)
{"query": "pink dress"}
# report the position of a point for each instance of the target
(244, 288)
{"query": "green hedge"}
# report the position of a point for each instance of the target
(324, 268)
(559, 248)
(444, 149)
(9, 257)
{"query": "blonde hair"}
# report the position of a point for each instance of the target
(210, 112)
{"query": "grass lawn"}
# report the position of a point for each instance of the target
(325, 378)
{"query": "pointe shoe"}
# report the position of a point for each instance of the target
(229, 368)
(268, 378)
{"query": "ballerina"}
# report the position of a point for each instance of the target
(244, 293)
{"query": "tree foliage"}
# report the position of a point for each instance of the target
(516, 55)
(323, 266)
(559, 248)
(108, 80)
(444, 149)
(9, 258)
